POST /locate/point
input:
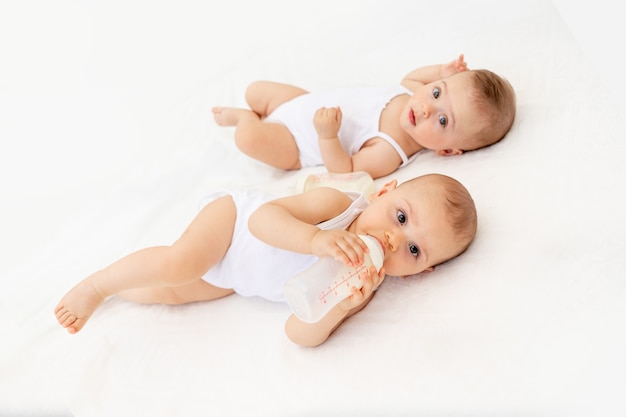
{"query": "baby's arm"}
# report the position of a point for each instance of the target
(428, 74)
(314, 334)
(327, 121)
(378, 158)
(290, 223)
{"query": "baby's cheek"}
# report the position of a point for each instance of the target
(391, 267)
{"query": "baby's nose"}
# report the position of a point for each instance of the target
(425, 110)
(391, 241)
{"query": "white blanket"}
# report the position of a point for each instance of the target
(108, 144)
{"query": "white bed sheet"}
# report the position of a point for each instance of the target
(108, 145)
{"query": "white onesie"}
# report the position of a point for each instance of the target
(361, 107)
(254, 268)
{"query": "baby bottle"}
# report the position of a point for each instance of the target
(315, 291)
(349, 181)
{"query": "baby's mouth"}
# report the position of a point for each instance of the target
(412, 117)
(382, 245)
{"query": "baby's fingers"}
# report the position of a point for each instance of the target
(355, 299)
(461, 65)
(351, 252)
(371, 280)
(328, 112)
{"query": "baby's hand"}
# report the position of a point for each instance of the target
(327, 121)
(371, 280)
(454, 67)
(346, 247)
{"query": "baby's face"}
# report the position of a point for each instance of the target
(442, 116)
(410, 222)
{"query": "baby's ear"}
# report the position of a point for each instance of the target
(449, 152)
(383, 190)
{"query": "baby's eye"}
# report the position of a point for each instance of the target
(415, 251)
(443, 120)
(436, 92)
(401, 217)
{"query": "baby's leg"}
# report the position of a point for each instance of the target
(231, 116)
(271, 143)
(264, 96)
(201, 246)
(199, 290)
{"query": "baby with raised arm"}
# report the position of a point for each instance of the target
(446, 108)
(251, 243)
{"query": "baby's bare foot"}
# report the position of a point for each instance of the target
(78, 305)
(230, 116)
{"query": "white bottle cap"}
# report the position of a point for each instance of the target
(375, 250)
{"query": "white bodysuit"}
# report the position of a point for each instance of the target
(254, 268)
(361, 108)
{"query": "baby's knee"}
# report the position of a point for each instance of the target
(245, 137)
(177, 268)
(254, 91)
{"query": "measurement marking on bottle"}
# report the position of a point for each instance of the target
(344, 280)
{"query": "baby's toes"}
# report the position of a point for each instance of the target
(77, 324)
(65, 318)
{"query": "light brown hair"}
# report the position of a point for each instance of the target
(495, 99)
